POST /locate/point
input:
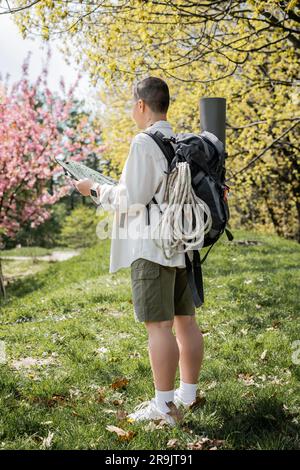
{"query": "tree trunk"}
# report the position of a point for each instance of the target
(2, 287)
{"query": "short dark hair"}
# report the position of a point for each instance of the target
(155, 92)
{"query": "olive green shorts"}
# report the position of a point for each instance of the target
(159, 292)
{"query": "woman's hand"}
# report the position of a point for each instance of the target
(84, 186)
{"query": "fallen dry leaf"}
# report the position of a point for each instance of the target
(172, 443)
(101, 394)
(160, 423)
(122, 435)
(151, 426)
(174, 411)
(109, 411)
(212, 385)
(54, 400)
(121, 414)
(57, 400)
(263, 355)
(47, 441)
(120, 383)
(118, 402)
(155, 424)
(205, 444)
(247, 379)
(135, 354)
(199, 401)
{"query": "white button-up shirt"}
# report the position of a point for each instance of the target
(143, 177)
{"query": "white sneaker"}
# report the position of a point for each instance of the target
(178, 401)
(149, 410)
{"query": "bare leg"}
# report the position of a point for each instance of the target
(163, 354)
(190, 343)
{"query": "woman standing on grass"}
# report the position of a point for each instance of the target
(161, 295)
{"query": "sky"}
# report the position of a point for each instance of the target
(14, 49)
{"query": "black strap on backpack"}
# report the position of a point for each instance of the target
(165, 146)
(194, 276)
(168, 151)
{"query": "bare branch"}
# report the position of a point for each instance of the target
(16, 10)
(264, 151)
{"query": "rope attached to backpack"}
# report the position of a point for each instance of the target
(182, 225)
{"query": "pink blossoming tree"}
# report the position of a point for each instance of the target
(37, 125)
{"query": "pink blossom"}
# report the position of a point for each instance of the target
(30, 138)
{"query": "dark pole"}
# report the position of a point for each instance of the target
(213, 117)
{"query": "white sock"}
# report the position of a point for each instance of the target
(161, 399)
(187, 392)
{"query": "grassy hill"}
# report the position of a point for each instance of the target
(76, 360)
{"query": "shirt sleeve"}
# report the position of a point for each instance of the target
(139, 180)
(107, 194)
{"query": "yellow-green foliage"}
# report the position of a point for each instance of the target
(79, 229)
(246, 52)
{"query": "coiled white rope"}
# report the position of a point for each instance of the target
(175, 236)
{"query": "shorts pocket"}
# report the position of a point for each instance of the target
(146, 290)
(145, 272)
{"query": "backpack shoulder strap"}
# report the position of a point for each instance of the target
(168, 151)
(164, 144)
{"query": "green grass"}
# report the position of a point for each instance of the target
(64, 314)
